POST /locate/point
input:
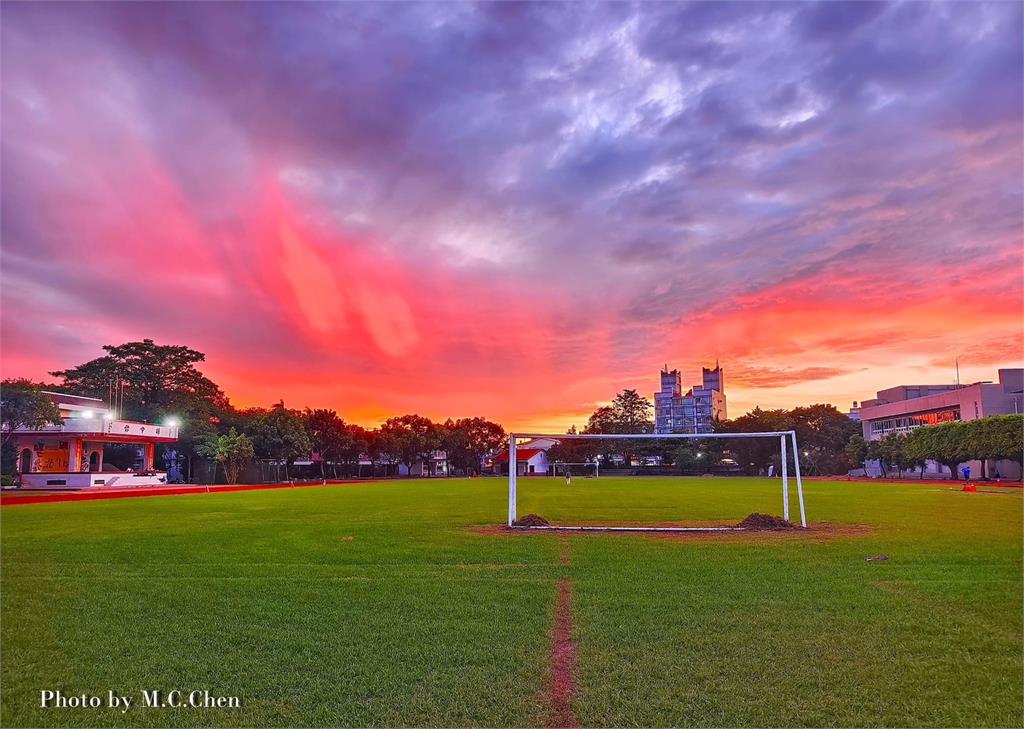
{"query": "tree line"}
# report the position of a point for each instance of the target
(998, 437)
(822, 434)
(150, 382)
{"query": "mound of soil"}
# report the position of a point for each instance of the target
(764, 522)
(531, 520)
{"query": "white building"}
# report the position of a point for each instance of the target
(531, 458)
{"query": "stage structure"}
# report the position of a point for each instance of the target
(69, 455)
(782, 435)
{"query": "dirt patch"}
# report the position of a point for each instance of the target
(563, 552)
(563, 660)
(764, 523)
(531, 520)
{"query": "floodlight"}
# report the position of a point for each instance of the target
(172, 422)
(87, 413)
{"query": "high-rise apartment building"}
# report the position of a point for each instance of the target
(697, 410)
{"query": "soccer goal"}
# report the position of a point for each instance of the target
(581, 468)
(785, 438)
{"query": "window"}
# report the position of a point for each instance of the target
(909, 422)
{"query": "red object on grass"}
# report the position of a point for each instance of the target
(970, 487)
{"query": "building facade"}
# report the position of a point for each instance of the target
(696, 410)
(906, 407)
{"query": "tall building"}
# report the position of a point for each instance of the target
(697, 410)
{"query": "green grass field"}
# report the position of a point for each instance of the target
(377, 604)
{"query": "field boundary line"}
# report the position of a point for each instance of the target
(563, 659)
(563, 649)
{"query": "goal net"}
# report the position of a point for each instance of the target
(784, 440)
(590, 469)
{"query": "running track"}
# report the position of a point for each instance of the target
(16, 498)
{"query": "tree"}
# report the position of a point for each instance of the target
(574, 450)
(823, 432)
(629, 412)
(232, 451)
(758, 453)
(941, 443)
(1005, 436)
(685, 457)
(22, 405)
(992, 438)
(328, 434)
(409, 438)
(155, 380)
(277, 433)
(892, 450)
(875, 454)
(357, 442)
(632, 412)
(382, 448)
(601, 420)
(856, 450)
(467, 440)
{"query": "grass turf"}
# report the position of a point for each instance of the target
(374, 604)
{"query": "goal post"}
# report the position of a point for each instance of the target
(786, 438)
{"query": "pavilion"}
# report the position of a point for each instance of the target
(70, 455)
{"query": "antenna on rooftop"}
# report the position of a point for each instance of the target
(958, 372)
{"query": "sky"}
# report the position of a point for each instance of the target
(516, 210)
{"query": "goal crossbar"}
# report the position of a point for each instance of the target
(782, 435)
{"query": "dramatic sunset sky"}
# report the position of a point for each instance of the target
(515, 210)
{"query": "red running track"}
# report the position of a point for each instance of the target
(16, 498)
